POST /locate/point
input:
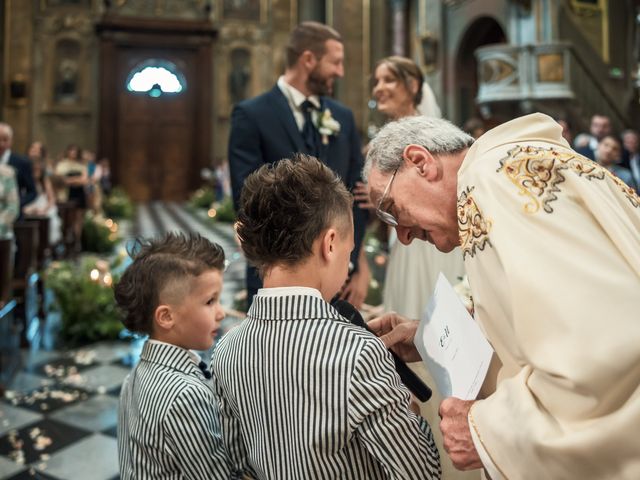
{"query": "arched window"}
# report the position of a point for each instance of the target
(156, 77)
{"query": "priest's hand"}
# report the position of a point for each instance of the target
(397, 333)
(356, 287)
(361, 196)
(456, 434)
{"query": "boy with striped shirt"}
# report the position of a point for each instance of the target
(303, 393)
(168, 424)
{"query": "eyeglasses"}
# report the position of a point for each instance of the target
(386, 217)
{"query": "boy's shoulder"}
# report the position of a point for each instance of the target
(352, 334)
(150, 377)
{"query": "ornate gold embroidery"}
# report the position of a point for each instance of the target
(472, 226)
(537, 171)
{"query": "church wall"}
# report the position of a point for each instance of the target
(49, 40)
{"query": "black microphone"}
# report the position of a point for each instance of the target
(410, 379)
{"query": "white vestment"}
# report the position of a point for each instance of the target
(551, 243)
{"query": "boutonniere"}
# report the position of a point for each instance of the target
(327, 126)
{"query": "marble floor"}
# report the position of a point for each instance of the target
(58, 417)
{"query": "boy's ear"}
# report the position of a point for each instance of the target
(164, 317)
(327, 243)
(420, 158)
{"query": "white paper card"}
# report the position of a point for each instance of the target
(452, 345)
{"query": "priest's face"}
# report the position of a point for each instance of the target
(328, 68)
(420, 209)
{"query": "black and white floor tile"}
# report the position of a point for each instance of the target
(58, 418)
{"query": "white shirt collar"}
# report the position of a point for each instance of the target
(194, 356)
(287, 291)
(4, 159)
(295, 96)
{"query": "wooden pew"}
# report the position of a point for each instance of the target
(25, 274)
(6, 270)
(67, 213)
(10, 334)
(42, 260)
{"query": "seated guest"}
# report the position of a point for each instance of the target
(608, 154)
(168, 426)
(22, 166)
(303, 393)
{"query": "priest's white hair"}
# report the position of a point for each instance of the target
(437, 135)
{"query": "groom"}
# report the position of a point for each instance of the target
(296, 115)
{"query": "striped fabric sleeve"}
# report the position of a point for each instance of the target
(231, 433)
(380, 416)
(193, 434)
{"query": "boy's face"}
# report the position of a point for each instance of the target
(198, 315)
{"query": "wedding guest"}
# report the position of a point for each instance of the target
(9, 201)
(608, 155)
(73, 174)
(551, 247)
(24, 175)
(168, 424)
(599, 127)
(92, 188)
(304, 393)
(412, 270)
(45, 203)
(105, 176)
(299, 115)
(631, 154)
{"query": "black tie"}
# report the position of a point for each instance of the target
(205, 370)
(309, 131)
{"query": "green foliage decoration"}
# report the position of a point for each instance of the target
(84, 297)
(118, 205)
(202, 198)
(99, 235)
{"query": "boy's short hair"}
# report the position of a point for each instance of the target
(285, 206)
(312, 36)
(156, 263)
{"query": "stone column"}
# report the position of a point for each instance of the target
(399, 27)
(18, 59)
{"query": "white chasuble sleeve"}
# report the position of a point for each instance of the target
(551, 243)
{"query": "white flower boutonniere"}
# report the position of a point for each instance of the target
(327, 126)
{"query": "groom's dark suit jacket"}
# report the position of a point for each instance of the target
(264, 130)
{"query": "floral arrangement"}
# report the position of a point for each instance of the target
(84, 297)
(202, 198)
(327, 126)
(222, 211)
(99, 234)
(118, 205)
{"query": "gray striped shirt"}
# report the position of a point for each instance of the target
(168, 425)
(305, 394)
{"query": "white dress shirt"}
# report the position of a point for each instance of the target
(295, 98)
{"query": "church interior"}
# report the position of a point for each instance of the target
(146, 89)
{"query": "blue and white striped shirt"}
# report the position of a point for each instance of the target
(168, 425)
(305, 394)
